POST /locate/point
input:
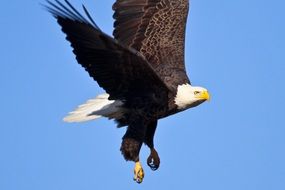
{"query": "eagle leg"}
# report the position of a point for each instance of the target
(130, 149)
(131, 145)
(153, 161)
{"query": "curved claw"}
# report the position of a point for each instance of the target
(153, 161)
(139, 173)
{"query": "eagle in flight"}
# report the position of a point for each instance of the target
(141, 68)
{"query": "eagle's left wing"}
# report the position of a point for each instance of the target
(121, 71)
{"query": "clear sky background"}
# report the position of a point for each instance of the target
(235, 49)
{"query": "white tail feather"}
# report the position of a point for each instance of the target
(96, 108)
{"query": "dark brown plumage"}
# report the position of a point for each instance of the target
(142, 69)
(155, 28)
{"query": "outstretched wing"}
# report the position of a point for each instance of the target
(156, 28)
(121, 71)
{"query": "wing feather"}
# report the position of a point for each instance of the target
(121, 71)
(155, 28)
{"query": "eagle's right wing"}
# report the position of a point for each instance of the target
(155, 28)
(121, 71)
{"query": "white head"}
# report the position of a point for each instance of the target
(190, 96)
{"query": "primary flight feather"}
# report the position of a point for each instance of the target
(141, 69)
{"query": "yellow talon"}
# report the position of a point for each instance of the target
(138, 171)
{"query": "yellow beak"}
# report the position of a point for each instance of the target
(204, 95)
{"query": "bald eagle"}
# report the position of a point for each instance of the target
(141, 69)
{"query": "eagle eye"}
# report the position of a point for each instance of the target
(196, 92)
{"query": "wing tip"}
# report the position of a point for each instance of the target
(60, 10)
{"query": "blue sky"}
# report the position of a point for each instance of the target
(236, 141)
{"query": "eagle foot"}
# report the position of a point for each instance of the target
(139, 173)
(153, 160)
